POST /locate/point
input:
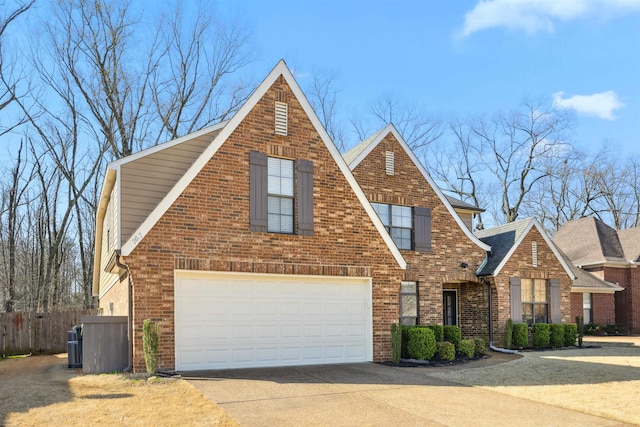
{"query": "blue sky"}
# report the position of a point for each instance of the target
(463, 58)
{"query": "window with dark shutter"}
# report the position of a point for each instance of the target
(422, 218)
(556, 314)
(305, 197)
(258, 191)
(515, 299)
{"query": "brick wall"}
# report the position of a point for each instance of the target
(520, 265)
(628, 300)
(207, 228)
(604, 308)
(450, 245)
(576, 305)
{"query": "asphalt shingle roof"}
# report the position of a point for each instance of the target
(501, 239)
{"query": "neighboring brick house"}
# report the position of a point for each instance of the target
(610, 258)
(250, 242)
(530, 278)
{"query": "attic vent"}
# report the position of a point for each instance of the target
(389, 164)
(534, 254)
(281, 118)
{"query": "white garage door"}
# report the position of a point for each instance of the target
(233, 320)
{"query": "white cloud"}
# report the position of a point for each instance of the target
(533, 16)
(600, 105)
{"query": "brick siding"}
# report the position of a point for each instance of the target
(207, 228)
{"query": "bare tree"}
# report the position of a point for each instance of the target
(323, 99)
(457, 166)
(8, 77)
(520, 150)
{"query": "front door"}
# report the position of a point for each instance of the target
(450, 307)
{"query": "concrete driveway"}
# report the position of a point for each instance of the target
(373, 395)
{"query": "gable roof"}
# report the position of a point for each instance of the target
(357, 154)
(504, 241)
(461, 204)
(279, 70)
(586, 282)
(589, 241)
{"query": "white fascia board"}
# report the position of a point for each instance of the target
(110, 178)
(584, 290)
(534, 223)
(168, 144)
(280, 69)
(390, 128)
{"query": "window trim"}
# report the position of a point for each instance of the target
(390, 227)
(455, 308)
(532, 302)
(400, 305)
(282, 196)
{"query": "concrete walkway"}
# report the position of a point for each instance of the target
(373, 395)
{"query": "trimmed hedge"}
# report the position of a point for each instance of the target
(481, 346)
(452, 334)
(467, 348)
(520, 335)
(396, 342)
(541, 335)
(508, 334)
(557, 335)
(437, 331)
(446, 351)
(570, 334)
(422, 343)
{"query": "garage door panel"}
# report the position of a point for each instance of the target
(233, 321)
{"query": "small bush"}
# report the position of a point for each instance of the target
(580, 325)
(570, 334)
(592, 329)
(467, 348)
(481, 346)
(446, 351)
(404, 353)
(611, 329)
(396, 342)
(437, 331)
(150, 343)
(508, 333)
(541, 335)
(520, 335)
(422, 343)
(557, 335)
(452, 334)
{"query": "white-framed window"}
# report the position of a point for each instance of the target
(398, 222)
(408, 303)
(281, 195)
(534, 301)
(587, 308)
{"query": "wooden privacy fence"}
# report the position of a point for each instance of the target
(37, 333)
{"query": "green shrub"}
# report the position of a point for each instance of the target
(508, 333)
(396, 342)
(150, 343)
(452, 334)
(467, 348)
(611, 329)
(557, 335)
(437, 331)
(520, 335)
(481, 346)
(541, 335)
(446, 351)
(592, 329)
(570, 334)
(422, 343)
(404, 353)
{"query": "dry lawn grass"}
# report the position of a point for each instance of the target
(40, 390)
(600, 381)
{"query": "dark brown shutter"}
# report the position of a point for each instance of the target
(556, 314)
(258, 191)
(515, 294)
(305, 197)
(422, 234)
